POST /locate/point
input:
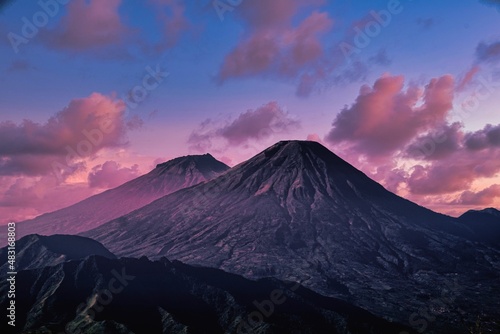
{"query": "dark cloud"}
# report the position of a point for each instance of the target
(482, 139)
(437, 144)
(488, 52)
(4, 4)
(19, 65)
(492, 3)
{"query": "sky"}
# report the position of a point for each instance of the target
(95, 93)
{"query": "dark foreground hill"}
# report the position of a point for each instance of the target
(99, 295)
(485, 224)
(36, 251)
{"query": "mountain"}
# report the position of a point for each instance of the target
(166, 178)
(36, 251)
(140, 296)
(298, 211)
(485, 224)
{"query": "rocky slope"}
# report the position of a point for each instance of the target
(297, 210)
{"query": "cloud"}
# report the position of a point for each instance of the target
(173, 21)
(405, 132)
(381, 58)
(4, 4)
(35, 165)
(274, 45)
(19, 65)
(111, 174)
(488, 52)
(440, 179)
(80, 130)
(437, 144)
(386, 117)
(495, 3)
(314, 137)
(488, 137)
(89, 25)
(24, 197)
(456, 172)
(484, 197)
(467, 78)
(390, 176)
(258, 124)
(425, 23)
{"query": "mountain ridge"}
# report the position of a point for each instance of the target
(297, 209)
(91, 212)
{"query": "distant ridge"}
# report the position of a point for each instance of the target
(166, 178)
(485, 224)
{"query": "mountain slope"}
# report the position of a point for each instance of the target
(35, 251)
(166, 297)
(298, 210)
(485, 224)
(166, 178)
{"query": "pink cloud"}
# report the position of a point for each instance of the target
(385, 117)
(390, 176)
(484, 197)
(89, 24)
(314, 137)
(391, 127)
(455, 173)
(258, 124)
(80, 130)
(25, 198)
(111, 174)
(274, 45)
